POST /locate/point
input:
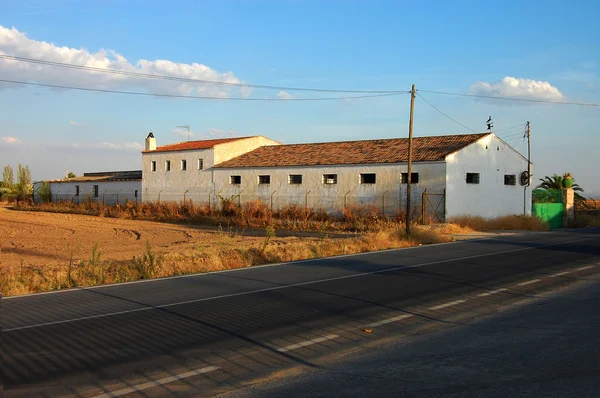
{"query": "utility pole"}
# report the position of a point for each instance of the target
(187, 126)
(529, 153)
(528, 133)
(409, 171)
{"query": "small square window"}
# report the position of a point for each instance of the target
(510, 179)
(96, 191)
(329, 179)
(368, 178)
(235, 180)
(414, 178)
(295, 179)
(200, 164)
(153, 165)
(264, 179)
(472, 178)
(76, 190)
(167, 165)
(183, 164)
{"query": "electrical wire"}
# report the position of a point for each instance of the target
(454, 120)
(511, 98)
(510, 128)
(98, 90)
(188, 80)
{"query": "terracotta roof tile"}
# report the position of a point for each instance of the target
(394, 150)
(191, 145)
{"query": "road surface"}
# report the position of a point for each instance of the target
(207, 334)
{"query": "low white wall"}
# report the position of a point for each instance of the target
(109, 192)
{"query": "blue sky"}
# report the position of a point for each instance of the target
(539, 50)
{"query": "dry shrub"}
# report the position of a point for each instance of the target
(586, 220)
(256, 209)
(512, 222)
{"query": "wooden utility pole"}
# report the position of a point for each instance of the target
(409, 171)
(528, 134)
(528, 153)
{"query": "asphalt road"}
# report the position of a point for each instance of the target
(545, 348)
(205, 334)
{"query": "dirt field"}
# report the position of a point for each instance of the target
(46, 238)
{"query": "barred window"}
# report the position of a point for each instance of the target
(235, 180)
(472, 178)
(266, 179)
(329, 179)
(295, 179)
(368, 178)
(414, 178)
(510, 179)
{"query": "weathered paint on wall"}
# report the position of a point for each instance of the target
(194, 183)
(388, 191)
(492, 159)
(108, 191)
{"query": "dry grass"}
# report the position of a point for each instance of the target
(223, 251)
(255, 214)
(515, 222)
(587, 219)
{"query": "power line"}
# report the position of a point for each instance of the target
(510, 98)
(455, 121)
(188, 80)
(510, 128)
(98, 90)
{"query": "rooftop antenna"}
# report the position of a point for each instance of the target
(490, 124)
(187, 126)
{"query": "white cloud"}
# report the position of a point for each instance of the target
(10, 140)
(284, 95)
(73, 123)
(518, 88)
(218, 133)
(14, 42)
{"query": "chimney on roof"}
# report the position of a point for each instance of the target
(150, 142)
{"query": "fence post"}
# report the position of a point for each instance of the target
(159, 192)
(184, 195)
(423, 206)
(272, 193)
(345, 196)
(118, 196)
(383, 203)
(209, 196)
(306, 199)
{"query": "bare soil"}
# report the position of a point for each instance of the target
(37, 238)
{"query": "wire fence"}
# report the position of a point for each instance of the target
(423, 204)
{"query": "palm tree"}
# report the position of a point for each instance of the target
(555, 183)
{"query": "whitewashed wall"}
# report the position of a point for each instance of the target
(492, 159)
(348, 189)
(108, 191)
(194, 184)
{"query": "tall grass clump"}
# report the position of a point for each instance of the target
(511, 222)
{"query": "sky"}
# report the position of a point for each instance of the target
(536, 50)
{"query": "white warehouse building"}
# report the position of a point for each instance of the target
(453, 175)
(109, 187)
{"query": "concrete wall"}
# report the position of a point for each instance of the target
(172, 185)
(110, 192)
(332, 197)
(230, 150)
(492, 159)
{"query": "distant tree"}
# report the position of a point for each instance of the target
(71, 175)
(556, 183)
(8, 180)
(23, 186)
(44, 193)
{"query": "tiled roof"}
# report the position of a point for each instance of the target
(191, 145)
(394, 150)
(131, 175)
